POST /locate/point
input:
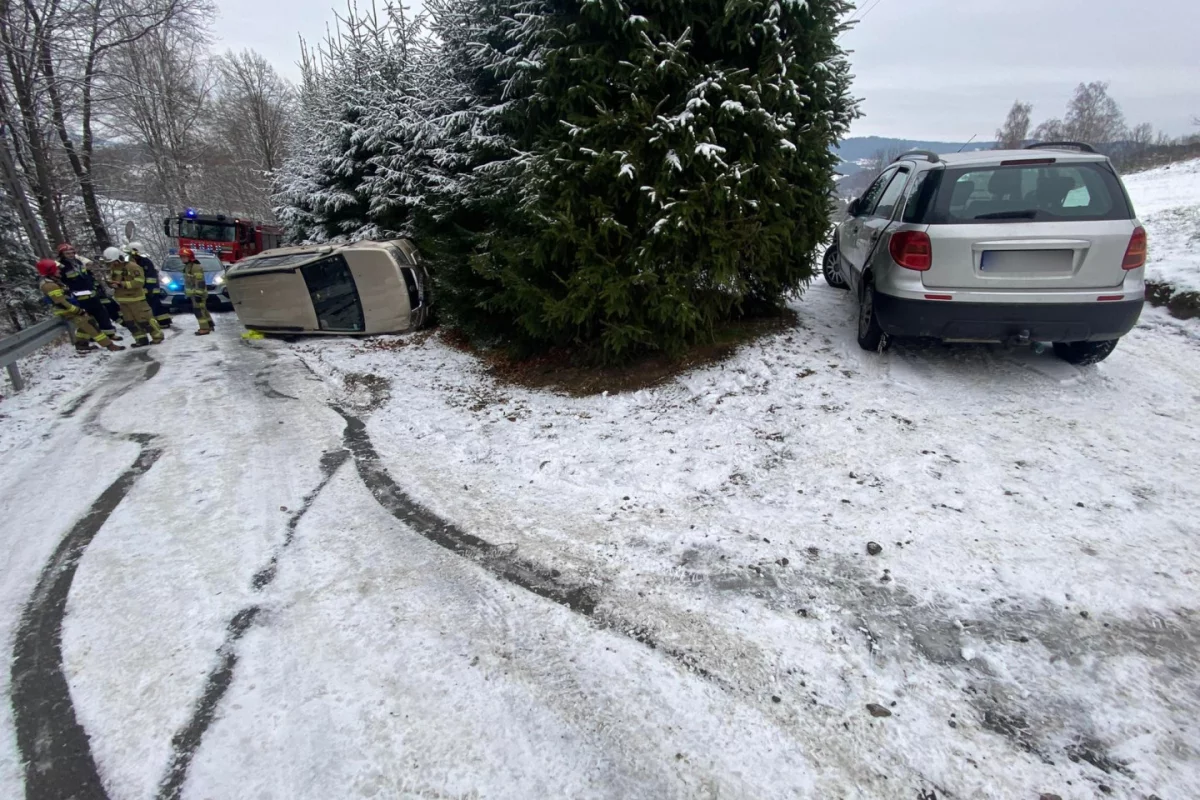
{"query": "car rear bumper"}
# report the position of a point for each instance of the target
(1002, 322)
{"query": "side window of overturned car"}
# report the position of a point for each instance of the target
(334, 294)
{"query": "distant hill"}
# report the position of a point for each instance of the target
(860, 148)
(857, 151)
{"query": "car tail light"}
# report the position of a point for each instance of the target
(1135, 254)
(912, 250)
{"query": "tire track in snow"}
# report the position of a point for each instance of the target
(501, 562)
(53, 745)
(187, 740)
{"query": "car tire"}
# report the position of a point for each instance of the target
(870, 335)
(830, 269)
(1083, 354)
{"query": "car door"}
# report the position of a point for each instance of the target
(876, 223)
(851, 232)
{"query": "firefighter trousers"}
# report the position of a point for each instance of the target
(161, 315)
(99, 312)
(200, 309)
(140, 320)
(86, 328)
(113, 309)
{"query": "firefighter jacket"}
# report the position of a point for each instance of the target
(81, 276)
(193, 280)
(59, 297)
(75, 274)
(151, 273)
(128, 282)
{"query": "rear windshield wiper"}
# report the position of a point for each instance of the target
(1027, 214)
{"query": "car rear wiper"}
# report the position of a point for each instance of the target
(1027, 214)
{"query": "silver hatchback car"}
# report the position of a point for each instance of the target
(1013, 246)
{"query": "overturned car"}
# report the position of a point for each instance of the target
(360, 288)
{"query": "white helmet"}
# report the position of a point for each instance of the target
(135, 247)
(111, 254)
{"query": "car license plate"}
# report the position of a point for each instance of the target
(1026, 262)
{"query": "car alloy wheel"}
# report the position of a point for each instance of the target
(829, 268)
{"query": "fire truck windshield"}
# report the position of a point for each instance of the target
(207, 231)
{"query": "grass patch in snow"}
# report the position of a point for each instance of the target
(560, 369)
(1181, 305)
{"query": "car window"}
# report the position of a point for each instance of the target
(915, 198)
(415, 298)
(1040, 193)
(870, 198)
(334, 294)
(891, 195)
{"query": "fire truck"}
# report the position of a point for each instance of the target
(229, 239)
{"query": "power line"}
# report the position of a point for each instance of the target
(872, 7)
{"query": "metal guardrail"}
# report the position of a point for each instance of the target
(21, 344)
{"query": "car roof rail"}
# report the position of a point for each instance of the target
(929, 154)
(1083, 147)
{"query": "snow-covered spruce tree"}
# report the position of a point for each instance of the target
(670, 163)
(397, 128)
(350, 174)
(19, 294)
(473, 185)
(296, 183)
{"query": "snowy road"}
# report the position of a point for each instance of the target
(344, 569)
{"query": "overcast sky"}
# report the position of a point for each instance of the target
(929, 69)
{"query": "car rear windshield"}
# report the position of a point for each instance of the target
(1086, 191)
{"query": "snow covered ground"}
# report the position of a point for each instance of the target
(1167, 199)
(1029, 622)
(365, 569)
(53, 376)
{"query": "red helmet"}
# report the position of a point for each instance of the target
(47, 267)
(186, 255)
(64, 247)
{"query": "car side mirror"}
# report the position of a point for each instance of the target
(852, 209)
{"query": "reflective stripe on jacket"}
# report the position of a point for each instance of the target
(128, 282)
(59, 296)
(148, 269)
(75, 274)
(193, 280)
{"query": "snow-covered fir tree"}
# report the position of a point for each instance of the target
(615, 175)
(296, 181)
(668, 167)
(474, 187)
(352, 174)
(18, 280)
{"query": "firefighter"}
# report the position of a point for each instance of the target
(194, 287)
(88, 290)
(129, 290)
(154, 289)
(56, 293)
